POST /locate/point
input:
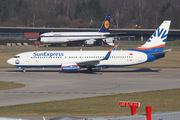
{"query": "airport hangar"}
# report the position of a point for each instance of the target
(138, 34)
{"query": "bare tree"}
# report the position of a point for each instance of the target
(155, 9)
(66, 8)
(119, 10)
(140, 11)
(118, 15)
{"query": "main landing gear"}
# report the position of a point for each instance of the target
(89, 70)
(24, 70)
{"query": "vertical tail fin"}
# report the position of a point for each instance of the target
(156, 42)
(106, 23)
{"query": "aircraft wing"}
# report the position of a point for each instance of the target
(75, 40)
(123, 36)
(116, 34)
(88, 63)
(94, 62)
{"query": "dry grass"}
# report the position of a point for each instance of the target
(9, 85)
(161, 101)
(4, 56)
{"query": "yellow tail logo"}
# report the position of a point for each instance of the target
(106, 24)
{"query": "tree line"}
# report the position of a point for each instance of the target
(89, 13)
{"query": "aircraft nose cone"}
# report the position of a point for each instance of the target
(10, 61)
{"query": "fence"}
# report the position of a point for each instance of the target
(18, 35)
(157, 116)
(12, 35)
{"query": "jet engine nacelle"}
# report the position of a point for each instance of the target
(89, 42)
(69, 67)
(109, 40)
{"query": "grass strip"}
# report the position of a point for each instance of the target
(161, 101)
(9, 85)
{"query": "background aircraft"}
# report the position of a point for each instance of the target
(86, 38)
(74, 60)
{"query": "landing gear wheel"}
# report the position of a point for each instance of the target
(89, 70)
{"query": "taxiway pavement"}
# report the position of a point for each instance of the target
(52, 84)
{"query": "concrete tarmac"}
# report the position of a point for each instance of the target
(52, 84)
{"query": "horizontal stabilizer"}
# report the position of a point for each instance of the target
(165, 51)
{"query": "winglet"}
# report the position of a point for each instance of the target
(114, 49)
(107, 55)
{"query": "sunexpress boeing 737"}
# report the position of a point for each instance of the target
(87, 38)
(152, 50)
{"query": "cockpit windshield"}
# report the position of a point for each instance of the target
(16, 56)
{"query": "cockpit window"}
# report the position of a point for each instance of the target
(16, 56)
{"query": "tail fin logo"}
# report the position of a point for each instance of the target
(158, 39)
(106, 24)
(160, 34)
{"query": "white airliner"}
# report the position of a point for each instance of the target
(87, 38)
(74, 60)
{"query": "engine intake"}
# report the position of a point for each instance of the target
(89, 42)
(109, 41)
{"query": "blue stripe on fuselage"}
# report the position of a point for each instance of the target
(151, 58)
(153, 50)
(148, 52)
(75, 36)
(59, 66)
(36, 66)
